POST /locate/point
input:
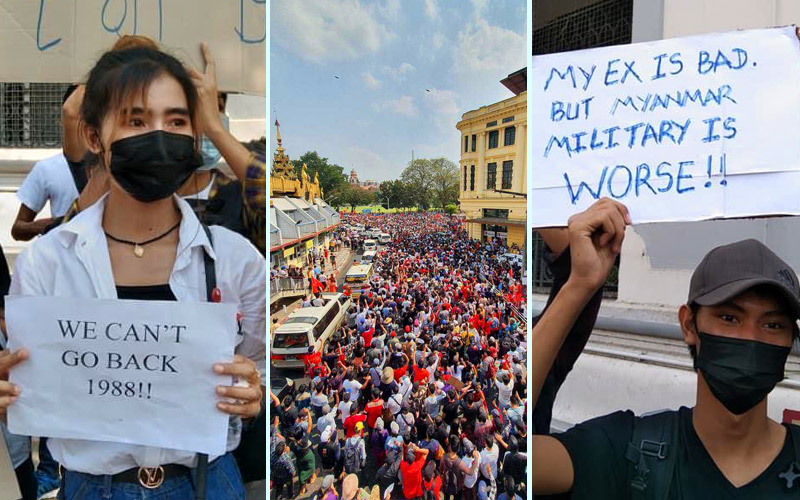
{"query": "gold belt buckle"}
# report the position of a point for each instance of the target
(151, 477)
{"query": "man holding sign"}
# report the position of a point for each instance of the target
(131, 391)
(739, 322)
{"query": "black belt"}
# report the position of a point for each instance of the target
(151, 477)
(148, 477)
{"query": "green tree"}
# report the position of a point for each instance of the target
(392, 194)
(366, 197)
(444, 187)
(419, 180)
(347, 195)
(330, 175)
(339, 196)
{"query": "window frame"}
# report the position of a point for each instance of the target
(513, 130)
(491, 175)
(472, 178)
(510, 172)
(496, 141)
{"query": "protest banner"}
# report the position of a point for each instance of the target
(683, 129)
(9, 489)
(59, 41)
(129, 371)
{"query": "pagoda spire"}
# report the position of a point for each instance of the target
(280, 161)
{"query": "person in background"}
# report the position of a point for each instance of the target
(328, 490)
(306, 465)
(282, 471)
(50, 179)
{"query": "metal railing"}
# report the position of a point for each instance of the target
(287, 285)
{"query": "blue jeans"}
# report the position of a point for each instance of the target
(223, 482)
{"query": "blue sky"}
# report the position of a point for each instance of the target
(387, 54)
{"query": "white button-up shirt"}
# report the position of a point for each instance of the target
(73, 261)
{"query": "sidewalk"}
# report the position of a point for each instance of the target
(342, 264)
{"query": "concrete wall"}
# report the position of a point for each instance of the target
(658, 259)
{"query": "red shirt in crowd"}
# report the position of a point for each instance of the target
(412, 476)
(374, 410)
(399, 372)
(421, 374)
(434, 484)
(367, 335)
(350, 423)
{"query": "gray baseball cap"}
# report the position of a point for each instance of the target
(729, 270)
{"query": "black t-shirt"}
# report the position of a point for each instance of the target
(514, 465)
(471, 413)
(145, 292)
(450, 411)
(597, 449)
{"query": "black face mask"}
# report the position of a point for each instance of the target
(740, 373)
(154, 165)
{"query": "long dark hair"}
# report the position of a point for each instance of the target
(120, 75)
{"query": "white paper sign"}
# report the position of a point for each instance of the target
(60, 40)
(129, 371)
(683, 129)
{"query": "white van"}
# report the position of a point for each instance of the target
(384, 238)
(370, 245)
(307, 330)
(368, 257)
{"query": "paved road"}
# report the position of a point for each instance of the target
(299, 379)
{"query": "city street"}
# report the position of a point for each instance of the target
(434, 308)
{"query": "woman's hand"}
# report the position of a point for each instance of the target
(249, 397)
(8, 391)
(208, 121)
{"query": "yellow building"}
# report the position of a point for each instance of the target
(493, 179)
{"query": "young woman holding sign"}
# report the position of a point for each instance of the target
(140, 241)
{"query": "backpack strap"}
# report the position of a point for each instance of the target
(652, 454)
(210, 270)
(211, 287)
(792, 474)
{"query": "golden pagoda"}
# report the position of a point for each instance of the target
(284, 181)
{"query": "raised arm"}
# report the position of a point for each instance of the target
(595, 240)
(236, 155)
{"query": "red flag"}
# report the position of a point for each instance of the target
(316, 285)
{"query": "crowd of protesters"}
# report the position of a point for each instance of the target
(421, 392)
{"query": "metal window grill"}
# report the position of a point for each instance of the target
(30, 114)
(597, 25)
(542, 278)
